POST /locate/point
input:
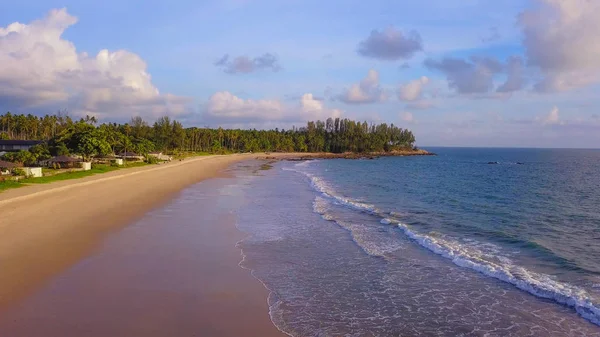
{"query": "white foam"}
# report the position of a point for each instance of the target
(322, 187)
(305, 163)
(469, 256)
(534, 283)
(369, 241)
(321, 206)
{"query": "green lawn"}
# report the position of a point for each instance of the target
(96, 169)
(5, 185)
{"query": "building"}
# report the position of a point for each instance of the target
(62, 162)
(160, 156)
(17, 145)
(130, 156)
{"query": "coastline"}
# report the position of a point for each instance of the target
(47, 228)
(172, 272)
(352, 155)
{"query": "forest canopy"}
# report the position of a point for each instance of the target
(64, 135)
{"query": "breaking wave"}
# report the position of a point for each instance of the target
(469, 254)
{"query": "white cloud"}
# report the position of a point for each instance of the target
(413, 90)
(224, 107)
(552, 118)
(313, 109)
(367, 91)
(562, 39)
(407, 117)
(39, 69)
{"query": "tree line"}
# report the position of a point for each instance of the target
(64, 135)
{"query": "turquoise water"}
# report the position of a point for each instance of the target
(448, 245)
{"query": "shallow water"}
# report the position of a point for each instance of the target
(431, 246)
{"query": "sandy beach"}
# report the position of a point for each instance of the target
(45, 229)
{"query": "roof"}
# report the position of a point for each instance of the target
(128, 154)
(7, 164)
(63, 159)
(21, 142)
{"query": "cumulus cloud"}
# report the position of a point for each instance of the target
(552, 118)
(562, 40)
(473, 76)
(40, 69)
(246, 65)
(225, 107)
(313, 109)
(515, 78)
(390, 45)
(367, 91)
(413, 90)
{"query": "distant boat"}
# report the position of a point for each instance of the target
(493, 163)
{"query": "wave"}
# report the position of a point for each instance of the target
(322, 187)
(370, 242)
(534, 283)
(467, 255)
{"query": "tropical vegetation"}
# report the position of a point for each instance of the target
(85, 137)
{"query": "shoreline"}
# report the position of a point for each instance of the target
(351, 155)
(156, 277)
(47, 228)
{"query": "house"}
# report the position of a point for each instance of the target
(62, 161)
(17, 145)
(130, 156)
(6, 166)
(160, 156)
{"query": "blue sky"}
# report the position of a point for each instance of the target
(456, 72)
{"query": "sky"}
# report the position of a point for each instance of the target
(511, 73)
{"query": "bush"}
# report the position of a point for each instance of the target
(18, 172)
(151, 160)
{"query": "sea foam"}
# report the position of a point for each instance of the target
(537, 284)
(534, 283)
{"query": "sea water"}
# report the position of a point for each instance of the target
(472, 242)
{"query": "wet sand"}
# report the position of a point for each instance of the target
(47, 229)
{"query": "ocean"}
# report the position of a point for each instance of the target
(471, 242)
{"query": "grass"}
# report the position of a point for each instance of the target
(5, 185)
(96, 169)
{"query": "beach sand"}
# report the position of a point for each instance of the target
(46, 229)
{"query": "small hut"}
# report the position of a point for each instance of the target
(131, 156)
(6, 166)
(63, 161)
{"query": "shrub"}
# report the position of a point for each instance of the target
(151, 160)
(18, 172)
